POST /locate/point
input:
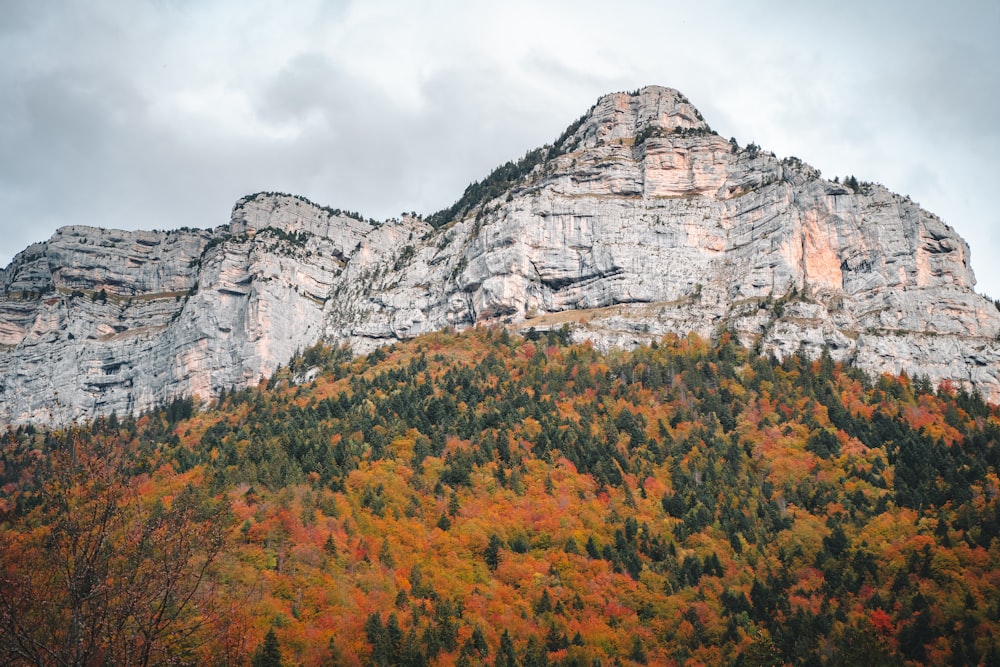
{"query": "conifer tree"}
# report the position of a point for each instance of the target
(492, 553)
(269, 653)
(506, 656)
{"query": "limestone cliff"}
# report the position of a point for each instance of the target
(638, 221)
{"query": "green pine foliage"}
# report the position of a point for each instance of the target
(269, 653)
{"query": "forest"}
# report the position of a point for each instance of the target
(488, 498)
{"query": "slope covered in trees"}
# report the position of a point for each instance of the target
(484, 498)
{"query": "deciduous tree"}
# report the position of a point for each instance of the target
(96, 573)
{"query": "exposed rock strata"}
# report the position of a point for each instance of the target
(641, 221)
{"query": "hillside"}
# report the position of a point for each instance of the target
(638, 221)
(486, 498)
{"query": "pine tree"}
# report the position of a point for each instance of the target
(492, 553)
(638, 653)
(544, 604)
(269, 653)
(506, 656)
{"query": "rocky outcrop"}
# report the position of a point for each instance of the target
(96, 321)
(639, 221)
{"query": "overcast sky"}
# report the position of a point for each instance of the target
(161, 113)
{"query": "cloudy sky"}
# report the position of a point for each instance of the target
(161, 113)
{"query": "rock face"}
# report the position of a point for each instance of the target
(639, 221)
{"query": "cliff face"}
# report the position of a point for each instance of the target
(95, 321)
(638, 222)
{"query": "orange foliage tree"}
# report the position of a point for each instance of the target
(98, 573)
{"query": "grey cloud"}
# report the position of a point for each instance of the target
(357, 145)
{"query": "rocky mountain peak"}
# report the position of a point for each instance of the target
(637, 222)
(635, 116)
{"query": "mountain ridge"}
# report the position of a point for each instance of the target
(637, 222)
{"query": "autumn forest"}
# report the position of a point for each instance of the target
(487, 498)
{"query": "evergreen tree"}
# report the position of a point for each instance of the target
(506, 656)
(638, 652)
(269, 652)
(492, 553)
(544, 604)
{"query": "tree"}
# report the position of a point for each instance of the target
(269, 653)
(478, 642)
(95, 572)
(638, 652)
(492, 553)
(762, 652)
(544, 604)
(506, 656)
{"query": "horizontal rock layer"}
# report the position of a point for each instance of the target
(640, 221)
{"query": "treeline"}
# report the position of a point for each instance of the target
(487, 498)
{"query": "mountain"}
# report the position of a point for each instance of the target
(638, 221)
